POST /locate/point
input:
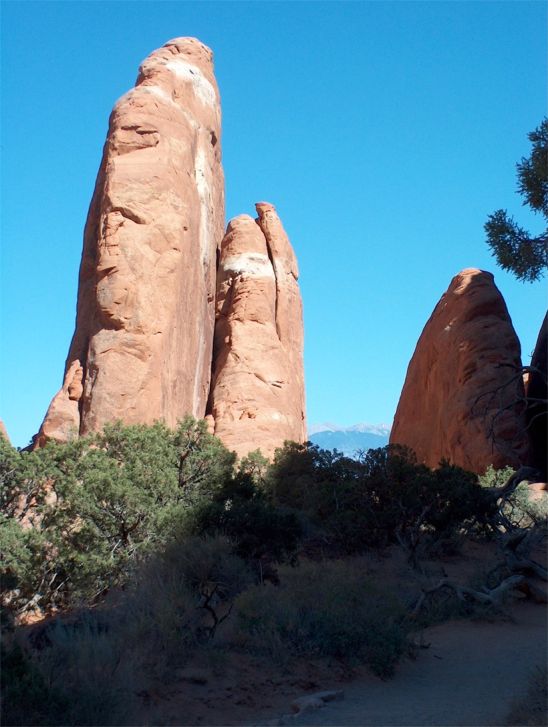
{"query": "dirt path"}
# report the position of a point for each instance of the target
(468, 676)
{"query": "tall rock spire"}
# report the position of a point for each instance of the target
(142, 346)
(463, 397)
(537, 400)
(257, 388)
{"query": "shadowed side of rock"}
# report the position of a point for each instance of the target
(257, 389)
(537, 402)
(142, 346)
(463, 397)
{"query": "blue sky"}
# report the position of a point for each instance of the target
(384, 132)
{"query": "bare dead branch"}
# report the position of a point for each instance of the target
(502, 398)
(487, 596)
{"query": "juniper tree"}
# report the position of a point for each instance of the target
(515, 249)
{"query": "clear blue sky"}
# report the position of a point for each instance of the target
(384, 132)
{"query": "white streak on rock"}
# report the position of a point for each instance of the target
(202, 87)
(251, 263)
(159, 92)
(202, 175)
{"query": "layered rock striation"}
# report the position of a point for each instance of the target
(257, 397)
(142, 346)
(463, 394)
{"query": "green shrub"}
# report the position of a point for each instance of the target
(495, 478)
(92, 666)
(18, 548)
(519, 509)
(117, 497)
(27, 698)
(524, 511)
(240, 511)
(88, 667)
(204, 569)
(382, 498)
(324, 609)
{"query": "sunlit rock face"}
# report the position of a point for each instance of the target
(142, 346)
(3, 431)
(463, 397)
(62, 419)
(257, 388)
(537, 398)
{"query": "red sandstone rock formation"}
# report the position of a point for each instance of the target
(3, 431)
(538, 491)
(144, 330)
(257, 388)
(61, 422)
(537, 400)
(463, 395)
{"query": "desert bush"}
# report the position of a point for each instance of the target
(495, 478)
(258, 530)
(326, 609)
(23, 491)
(204, 575)
(21, 554)
(25, 479)
(532, 707)
(89, 667)
(23, 476)
(27, 698)
(255, 465)
(519, 510)
(382, 498)
(523, 511)
(320, 483)
(99, 504)
(77, 670)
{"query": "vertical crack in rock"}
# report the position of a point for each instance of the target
(62, 418)
(286, 270)
(277, 292)
(257, 388)
(145, 312)
(463, 394)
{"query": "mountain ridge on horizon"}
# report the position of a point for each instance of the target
(349, 440)
(362, 427)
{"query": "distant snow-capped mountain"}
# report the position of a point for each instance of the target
(382, 429)
(349, 440)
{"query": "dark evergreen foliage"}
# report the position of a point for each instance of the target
(513, 247)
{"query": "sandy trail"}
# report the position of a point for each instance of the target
(467, 677)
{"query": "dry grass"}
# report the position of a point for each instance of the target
(532, 707)
(325, 609)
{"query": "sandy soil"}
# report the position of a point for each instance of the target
(237, 691)
(468, 676)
